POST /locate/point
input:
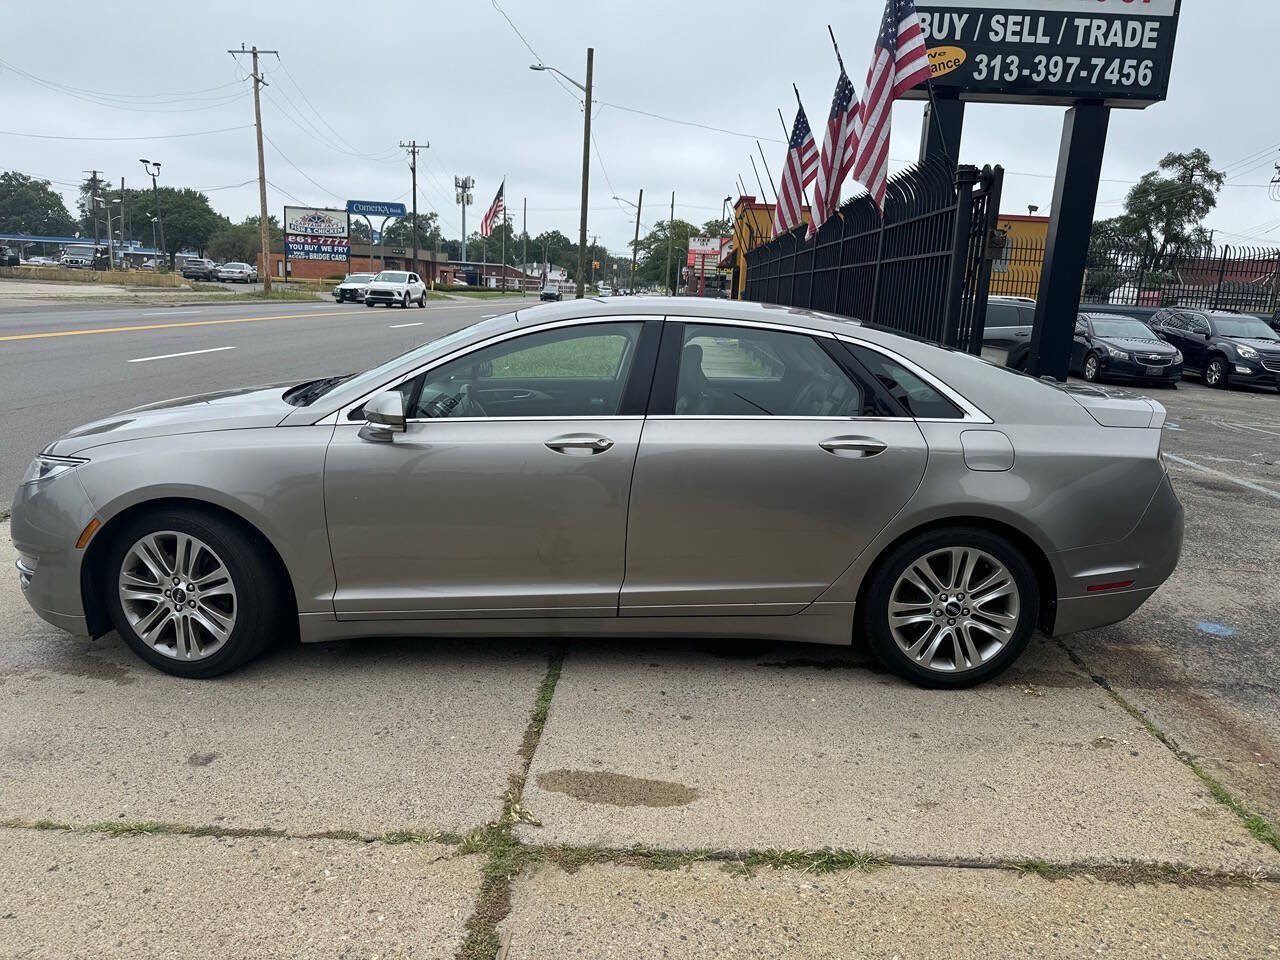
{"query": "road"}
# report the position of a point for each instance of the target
(63, 365)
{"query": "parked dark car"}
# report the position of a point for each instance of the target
(1110, 346)
(196, 268)
(1006, 335)
(1223, 348)
(9, 257)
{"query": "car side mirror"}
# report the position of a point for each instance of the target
(385, 416)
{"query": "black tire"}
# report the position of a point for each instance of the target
(259, 612)
(1092, 368)
(1216, 373)
(368, 303)
(873, 612)
(404, 301)
(422, 301)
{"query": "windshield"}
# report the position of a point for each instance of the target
(385, 371)
(359, 276)
(1124, 329)
(1244, 327)
(392, 276)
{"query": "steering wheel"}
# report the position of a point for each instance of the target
(469, 406)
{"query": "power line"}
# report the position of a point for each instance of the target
(303, 173)
(154, 136)
(528, 46)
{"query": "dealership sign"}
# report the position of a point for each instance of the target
(1051, 51)
(316, 234)
(375, 208)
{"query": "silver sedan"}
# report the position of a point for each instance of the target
(635, 467)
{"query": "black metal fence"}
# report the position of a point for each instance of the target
(922, 268)
(1244, 279)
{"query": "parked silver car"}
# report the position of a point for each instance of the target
(238, 273)
(633, 467)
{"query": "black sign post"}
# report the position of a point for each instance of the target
(1089, 55)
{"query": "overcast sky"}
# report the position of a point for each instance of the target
(457, 75)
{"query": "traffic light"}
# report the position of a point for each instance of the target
(595, 264)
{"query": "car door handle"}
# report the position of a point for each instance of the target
(578, 441)
(853, 446)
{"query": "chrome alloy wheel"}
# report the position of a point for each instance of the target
(177, 595)
(953, 609)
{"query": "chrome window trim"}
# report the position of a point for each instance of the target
(343, 411)
(757, 324)
(972, 413)
(766, 418)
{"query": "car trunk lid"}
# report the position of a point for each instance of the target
(1111, 407)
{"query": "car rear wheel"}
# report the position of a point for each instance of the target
(190, 593)
(951, 607)
(422, 301)
(1092, 368)
(1215, 374)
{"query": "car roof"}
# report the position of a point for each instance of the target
(1109, 316)
(692, 307)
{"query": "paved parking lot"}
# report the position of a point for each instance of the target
(1113, 794)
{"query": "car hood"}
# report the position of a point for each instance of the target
(1139, 344)
(1262, 346)
(347, 284)
(262, 406)
(386, 284)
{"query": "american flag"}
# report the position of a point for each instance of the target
(797, 173)
(495, 212)
(900, 62)
(837, 152)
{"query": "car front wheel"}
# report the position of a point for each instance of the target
(191, 593)
(1092, 368)
(1215, 374)
(951, 607)
(404, 301)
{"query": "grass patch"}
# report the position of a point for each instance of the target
(1258, 826)
(1138, 874)
(23, 824)
(488, 294)
(412, 836)
(4, 515)
(291, 294)
(116, 278)
(825, 860)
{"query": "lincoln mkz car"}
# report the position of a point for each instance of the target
(630, 467)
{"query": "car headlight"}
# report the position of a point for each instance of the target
(1247, 352)
(1117, 354)
(1177, 356)
(46, 467)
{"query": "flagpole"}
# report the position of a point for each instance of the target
(773, 186)
(503, 268)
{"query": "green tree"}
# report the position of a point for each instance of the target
(28, 205)
(1164, 211)
(652, 252)
(717, 228)
(242, 242)
(399, 233)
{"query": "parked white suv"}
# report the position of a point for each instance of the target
(396, 286)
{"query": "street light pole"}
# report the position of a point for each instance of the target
(586, 160)
(635, 244)
(153, 171)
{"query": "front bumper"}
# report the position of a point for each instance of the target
(46, 521)
(1257, 372)
(1146, 556)
(1114, 369)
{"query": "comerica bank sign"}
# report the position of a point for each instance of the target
(1116, 52)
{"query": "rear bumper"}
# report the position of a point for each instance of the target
(1145, 558)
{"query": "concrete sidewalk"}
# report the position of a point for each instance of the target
(598, 799)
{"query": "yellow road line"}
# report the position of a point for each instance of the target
(169, 326)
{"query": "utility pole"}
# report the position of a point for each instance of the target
(586, 172)
(671, 240)
(462, 191)
(93, 204)
(524, 243)
(636, 243)
(413, 148)
(258, 83)
(123, 210)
